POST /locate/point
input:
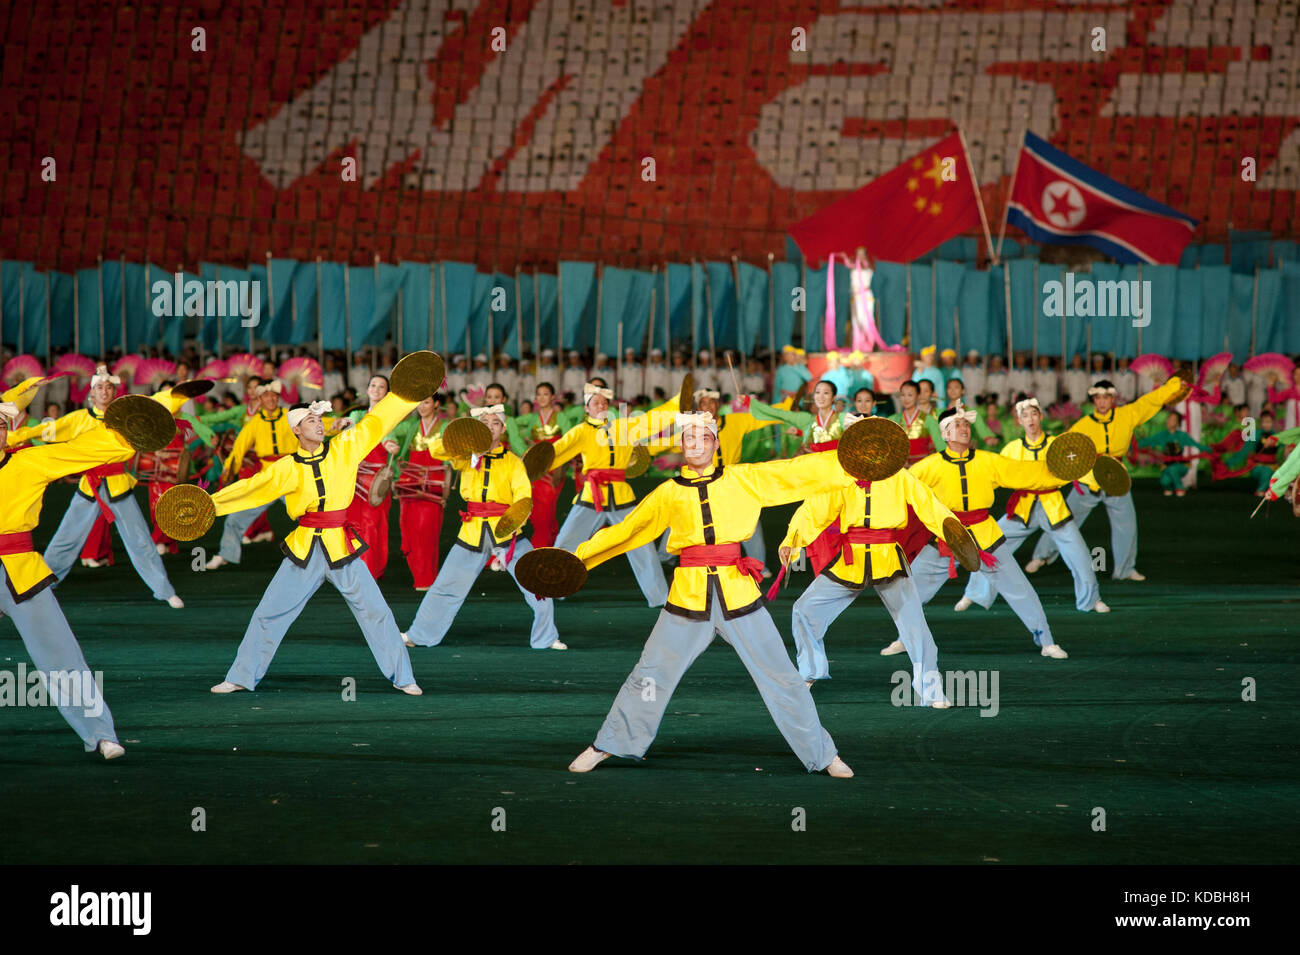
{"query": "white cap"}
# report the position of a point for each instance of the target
(296, 415)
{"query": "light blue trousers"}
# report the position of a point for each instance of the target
(53, 649)
(1073, 550)
(819, 606)
(931, 572)
(131, 526)
(460, 568)
(582, 522)
(674, 644)
(234, 529)
(291, 588)
(1123, 528)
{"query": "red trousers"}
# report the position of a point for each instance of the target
(421, 523)
(372, 523)
(99, 542)
(545, 527)
(156, 490)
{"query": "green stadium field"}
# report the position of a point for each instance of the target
(1145, 721)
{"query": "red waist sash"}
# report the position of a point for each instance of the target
(482, 509)
(95, 477)
(595, 477)
(19, 542)
(721, 555)
(1019, 496)
(867, 535)
(823, 446)
(326, 520)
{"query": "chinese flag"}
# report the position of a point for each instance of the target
(902, 215)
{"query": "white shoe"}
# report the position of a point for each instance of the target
(411, 689)
(262, 538)
(809, 683)
(941, 705)
(558, 645)
(175, 602)
(839, 769)
(963, 604)
(225, 686)
(1100, 607)
(110, 750)
(1034, 566)
(895, 647)
(1054, 651)
(767, 574)
(588, 760)
(1135, 576)
(91, 562)
(216, 562)
(161, 549)
(406, 641)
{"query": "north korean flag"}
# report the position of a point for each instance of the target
(1059, 200)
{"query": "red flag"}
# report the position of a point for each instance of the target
(903, 214)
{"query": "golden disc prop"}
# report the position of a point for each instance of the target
(538, 460)
(381, 485)
(640, 462)
(873, 449)
(514, 517)
(193, 388)
(417, 376)
(465, 436)
(185, 512)
(961, 543)
(144, 423)
(550, 572)
(1111, 476)
(686, 397)
(1071, 456)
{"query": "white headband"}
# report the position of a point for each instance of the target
(102, 376)
(1094, 390)
(486, 410)
(1028, 403)
(948, 426)
(273, 386)
(591, 389)
(851, 419)
(10, 411)
(708, 393)
(296, 415)
(701, 419)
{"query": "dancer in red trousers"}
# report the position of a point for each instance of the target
(372, 520)
(422, 487)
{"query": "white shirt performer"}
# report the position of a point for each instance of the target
(317, 483)
(711, 511)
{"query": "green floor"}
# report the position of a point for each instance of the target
(1145, 720)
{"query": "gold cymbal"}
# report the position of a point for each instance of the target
(538, 459)
(514, 517)
(550, 572)
(185, 512)
(144, 423)
(193, 388)
(466, 436)
(686, 397)
(1071, 455)
(873, 449)
(640, 462)
(1111, 476)
(417, 376)
(961, 543)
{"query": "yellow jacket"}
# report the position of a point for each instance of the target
(323, 480)
(266, 435)
(719, 505)
(502, 479)
(966, 482)
(25, 474)
(66, 428)
(1112, 432)
(881, 506)
(1054, 506)
(609, 444)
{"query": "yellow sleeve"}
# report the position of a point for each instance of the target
(793, 479)
(88, 450)
(1146, 407)
(643, 427)
(243, 441)
(921, 499)
(66, 427)
(1024, 475)
(648, 520)
(267, 485)
(360, 439)
(814, 515)
(569, 445)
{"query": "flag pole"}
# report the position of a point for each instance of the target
(1006, 284)
(975, 184)
(1011, 191)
